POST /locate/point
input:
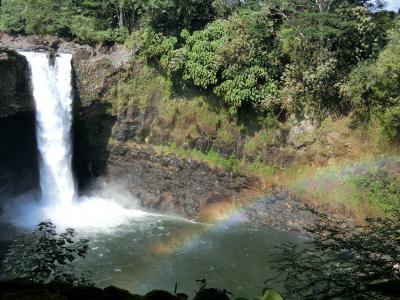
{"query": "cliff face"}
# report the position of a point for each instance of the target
(126, 107)
(15, 93)
(123, 108)
(18, 151)
(103, 135)
(94, 70)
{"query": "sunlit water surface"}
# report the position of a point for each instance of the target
(154, 252)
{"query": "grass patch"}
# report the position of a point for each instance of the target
(263, 139)
(380, 189)
(216, 160)
(212, 158)
(259, 169)
(139, 85)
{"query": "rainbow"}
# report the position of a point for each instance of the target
(329, 181)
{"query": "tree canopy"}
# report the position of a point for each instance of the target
(278, 59)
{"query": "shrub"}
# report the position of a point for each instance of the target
(45, 256)
(373, 88)
(380, 189)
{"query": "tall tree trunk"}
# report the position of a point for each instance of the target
(120, 16)
(324, 5)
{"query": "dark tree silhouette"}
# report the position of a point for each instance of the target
(45, 256)
(344, 261)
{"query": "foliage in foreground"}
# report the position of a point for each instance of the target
(344, 262)
(46, 256)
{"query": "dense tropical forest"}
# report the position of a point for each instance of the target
(276, 59)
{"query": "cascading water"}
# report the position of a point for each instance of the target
(53, 99)
(52, 92)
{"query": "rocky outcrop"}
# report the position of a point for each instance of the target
(117, 143)
(280, 210)
(304, 143)
(167, 183)
(95, 70)
(15, 92)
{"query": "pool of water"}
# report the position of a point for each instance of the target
(155, 252)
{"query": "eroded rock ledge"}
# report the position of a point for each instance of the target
(15, 95)
(190, 188)
(167, 183)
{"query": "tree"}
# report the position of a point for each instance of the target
(237, 58)
(373, 88)
(323, 42)
(127, 12)
(172, 16)
(12, 19)
(344, 262)
(45, 256)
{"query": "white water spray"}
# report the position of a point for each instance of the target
(53, 99)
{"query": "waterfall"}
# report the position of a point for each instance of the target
(52, 91)
(106, 207)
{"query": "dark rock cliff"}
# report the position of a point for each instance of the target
(15, 95)
(94, 71)
(167, 183)
(18, 151)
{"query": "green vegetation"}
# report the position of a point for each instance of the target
(359, 190)
(344, 261)
(212, 157)
(273, 58)
(101, 21)
(380, 188)
(216, 160)
(374, 86)
(138, 85)
(45, 256)
(264, 59)
(260, 141)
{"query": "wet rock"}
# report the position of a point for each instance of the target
(282, 211)
(94, 75)
(95, 71)
(18, 153)
(15, 91)
(165, 182)
(134, 123)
